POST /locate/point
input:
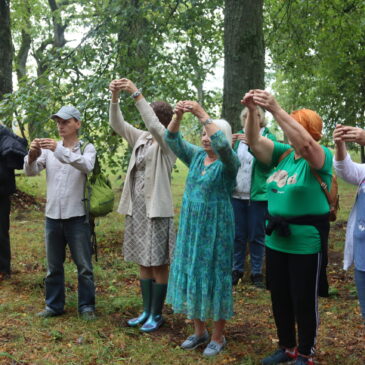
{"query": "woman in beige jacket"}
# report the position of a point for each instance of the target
(146, 199)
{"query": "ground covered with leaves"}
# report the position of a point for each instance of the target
(26, 339)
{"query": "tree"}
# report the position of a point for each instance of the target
(318, 58)
(157, 43)
(6, 54)
(244, 54)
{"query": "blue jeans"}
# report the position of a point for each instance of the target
(76, 233)
(360, 285)
(249, 218)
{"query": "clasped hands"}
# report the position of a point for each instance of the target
(37, 144)
(193, 107)
(122, 84)
(261, 98)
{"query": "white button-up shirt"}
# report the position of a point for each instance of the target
(66, 172)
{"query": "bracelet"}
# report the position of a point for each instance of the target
(136, 93)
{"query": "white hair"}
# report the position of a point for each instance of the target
(225, 127)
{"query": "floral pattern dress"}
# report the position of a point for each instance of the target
(200, 282)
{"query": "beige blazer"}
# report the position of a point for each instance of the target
(159, 161)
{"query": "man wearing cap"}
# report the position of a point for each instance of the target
(66, 223)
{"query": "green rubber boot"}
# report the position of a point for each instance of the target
(155, 320)
(146, 289)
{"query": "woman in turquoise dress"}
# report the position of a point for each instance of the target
(200, 281)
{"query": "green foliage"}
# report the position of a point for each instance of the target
(317, 51)
(167, 48)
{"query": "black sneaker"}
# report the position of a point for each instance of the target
(236, 276)
(258, 280)
(280, 356)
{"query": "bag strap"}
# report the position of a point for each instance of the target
(323, 186)
(315, 174)
(283, 155)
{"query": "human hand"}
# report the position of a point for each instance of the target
(248, 100)
(353, 134)
(179, 110)
(266, 100)
(47, 143)
(338, 134)
(196, 109)
(127, 85)
(242, 137)
(114, 87)
(34, 150)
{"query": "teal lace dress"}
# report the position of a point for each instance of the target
(200, 281)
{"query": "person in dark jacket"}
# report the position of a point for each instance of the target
(12, 152)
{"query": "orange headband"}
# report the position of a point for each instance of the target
(310, 120)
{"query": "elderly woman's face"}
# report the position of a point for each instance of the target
(206, 141)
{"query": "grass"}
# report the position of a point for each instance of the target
(25, 339)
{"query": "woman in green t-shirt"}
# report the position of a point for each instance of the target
(298, 222)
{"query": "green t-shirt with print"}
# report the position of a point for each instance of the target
(293, 191)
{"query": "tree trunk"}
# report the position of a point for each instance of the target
(244, 55)
(6, 47)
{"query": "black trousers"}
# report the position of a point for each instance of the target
(4, 234)
(293, 283)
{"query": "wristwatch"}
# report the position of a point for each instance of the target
(207, 121)
(136, 93)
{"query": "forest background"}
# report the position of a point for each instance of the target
(310, 53)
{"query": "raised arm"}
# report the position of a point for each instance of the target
(262, 147)
(185, 151)
(116, 119)
(150, 119)
(303, 143)
(345, 168)
(219, 142)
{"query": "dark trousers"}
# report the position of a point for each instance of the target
(293, 283)
(75, 233)
(249, 216)
(4, 234)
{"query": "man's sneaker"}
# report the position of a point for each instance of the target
(304, 360)
(280, 356)
(47, 313)
(257, 280)
(194, 341)
(88, 315)
(236, 276)
(214, 348)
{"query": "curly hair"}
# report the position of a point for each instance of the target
(163, 111)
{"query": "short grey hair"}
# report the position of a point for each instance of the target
(261, 111)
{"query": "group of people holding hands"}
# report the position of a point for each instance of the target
(237, 187)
